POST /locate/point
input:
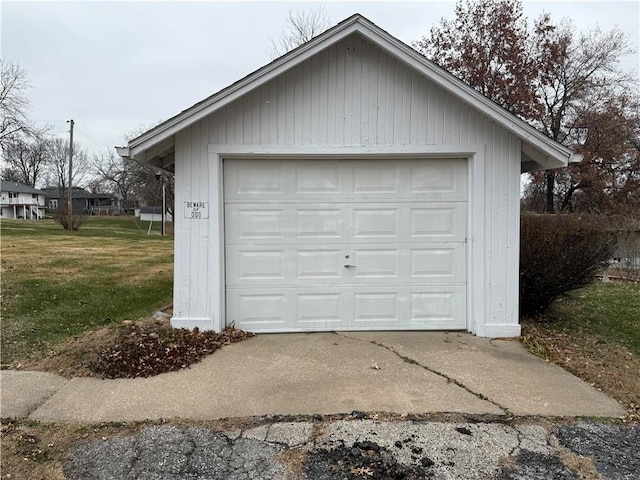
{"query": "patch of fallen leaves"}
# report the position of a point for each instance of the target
(133, 349)
(607, 366)
(143, 350)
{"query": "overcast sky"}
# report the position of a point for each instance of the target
(115, 67)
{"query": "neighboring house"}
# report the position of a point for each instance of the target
(350, 184)
(83, 201)
(152, 214)
(627, 254)
(18, 200)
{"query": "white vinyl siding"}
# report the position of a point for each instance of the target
(351, 94)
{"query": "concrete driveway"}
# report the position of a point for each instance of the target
(322, 373)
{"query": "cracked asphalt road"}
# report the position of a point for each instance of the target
(361, 448)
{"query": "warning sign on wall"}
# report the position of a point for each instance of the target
(196, 210)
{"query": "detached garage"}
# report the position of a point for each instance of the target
(349, 185)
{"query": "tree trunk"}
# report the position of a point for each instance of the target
(550, 178)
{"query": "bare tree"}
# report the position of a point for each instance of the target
(586, 77)
(144, 182)
(123, 178)
(14, 103)
(58, 168)
(132, 182)
(27, 159)
(301, 26)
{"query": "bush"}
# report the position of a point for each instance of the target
(558, 254)
(77, 219)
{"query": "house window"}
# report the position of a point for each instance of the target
(34, 196)
(13, 194)
(53, 204)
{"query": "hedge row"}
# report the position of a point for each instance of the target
(558, 254)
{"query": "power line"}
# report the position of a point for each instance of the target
(85, 134)
(50, 121)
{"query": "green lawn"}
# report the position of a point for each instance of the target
(610, 311)
(56, 284)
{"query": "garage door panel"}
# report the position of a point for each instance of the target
(314, 308)
(444, 178)
(376, 178)
(318, 223)
(253, 310)
(252, 178)
(320, 264)
(376, 307)
(278, 224)
(253, 224)
(375, 221)
(444, 307)
(426, 264)
(438, 263)
(375, 263)
(313, 178)
(258, 264)
(438, 222)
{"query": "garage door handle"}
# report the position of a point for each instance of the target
(349, 266)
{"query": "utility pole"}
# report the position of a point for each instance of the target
(70, 186)
(164, 209)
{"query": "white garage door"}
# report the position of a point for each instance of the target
(321, 245)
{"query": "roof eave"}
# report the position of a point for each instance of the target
(124, 152)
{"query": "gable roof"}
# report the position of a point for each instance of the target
(77, 192)
(8, 186)
(156, 146)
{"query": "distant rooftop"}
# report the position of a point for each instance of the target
(78, 192)
(8, 186)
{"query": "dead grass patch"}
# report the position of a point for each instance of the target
(38, 451)
(295, 460)
(607, 366)
(151, 271)
(578, 463)
(71, 358)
